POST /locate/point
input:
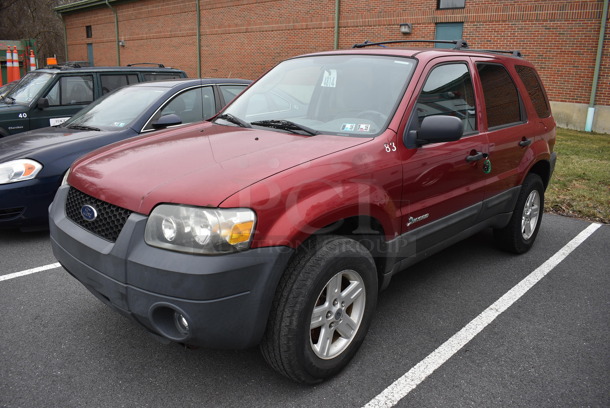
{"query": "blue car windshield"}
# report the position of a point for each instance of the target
(28, 89)
(117, 110)
(349, 94)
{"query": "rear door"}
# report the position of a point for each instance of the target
(443, 183)
(506, 125)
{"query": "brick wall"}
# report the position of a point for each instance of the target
(244, 38)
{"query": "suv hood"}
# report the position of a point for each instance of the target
(198, 165)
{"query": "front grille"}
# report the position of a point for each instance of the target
(110, 218)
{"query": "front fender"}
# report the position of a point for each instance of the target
(311, 206)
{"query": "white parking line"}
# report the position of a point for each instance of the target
(405, 384)
(29, 271)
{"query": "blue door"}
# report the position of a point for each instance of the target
(90, 54)
(448, 31)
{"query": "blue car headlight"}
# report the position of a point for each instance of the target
(19, 170)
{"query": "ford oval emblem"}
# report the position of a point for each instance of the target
(88, 212)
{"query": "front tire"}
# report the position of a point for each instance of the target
(520, 233)
(322, 309)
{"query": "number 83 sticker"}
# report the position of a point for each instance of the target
(389, 147)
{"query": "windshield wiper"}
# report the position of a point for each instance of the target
(286, 125)
(82, 127)
(234, 119)
(10, 100)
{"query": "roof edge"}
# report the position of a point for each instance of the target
(85, 4)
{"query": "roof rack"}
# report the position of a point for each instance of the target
(146, 63)
(514, 53)
(458, 44)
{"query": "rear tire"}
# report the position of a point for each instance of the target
(322, 309)
(520, 233)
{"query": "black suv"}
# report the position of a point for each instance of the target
(48, 97)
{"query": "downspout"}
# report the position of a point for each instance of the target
(598, 63)
(337, 9)
(198, 6)
(63, 23)
(116, 33)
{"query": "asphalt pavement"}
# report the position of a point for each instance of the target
(61, 347)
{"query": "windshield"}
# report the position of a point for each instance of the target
(335, 94)
(118, 109)
(28, 89)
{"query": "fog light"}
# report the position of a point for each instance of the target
(182, 325)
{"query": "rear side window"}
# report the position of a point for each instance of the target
(448, 91)
(71, 90)
(501, 96)
(229, 92)
(114, 81)
(535, 90)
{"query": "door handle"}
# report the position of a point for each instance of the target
(525, 142)
(475, 157)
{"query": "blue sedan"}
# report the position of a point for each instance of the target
(32, 164)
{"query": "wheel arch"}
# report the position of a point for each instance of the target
(543, 169)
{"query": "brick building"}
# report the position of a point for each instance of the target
(244, 38)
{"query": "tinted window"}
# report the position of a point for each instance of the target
(501, 96)
(111, 82)
(448, 91)
(191, 106)
(159, 76)
(535, 90)
(71, 90)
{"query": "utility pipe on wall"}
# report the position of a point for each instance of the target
(116, 32)
(337, 9)
(598, 63)
(198, 8)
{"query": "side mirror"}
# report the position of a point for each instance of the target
(166, 121)
(42, 103)
(437, 129)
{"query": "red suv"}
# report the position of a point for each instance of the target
(279, 221)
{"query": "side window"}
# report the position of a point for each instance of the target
(160, 76)
(71, 90)
(501, 96)
(535, 90)
(448, 91)
(113, 81)
(229, 92)
(193, 105)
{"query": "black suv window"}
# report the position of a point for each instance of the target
(534, 89)
(114, 81)
(160, 76)
(448, 91)
(501, 96)
(72, 90)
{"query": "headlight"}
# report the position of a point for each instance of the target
(197, 230)
(18, 170)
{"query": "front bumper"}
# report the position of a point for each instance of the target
(25, 204)
(224, 299)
